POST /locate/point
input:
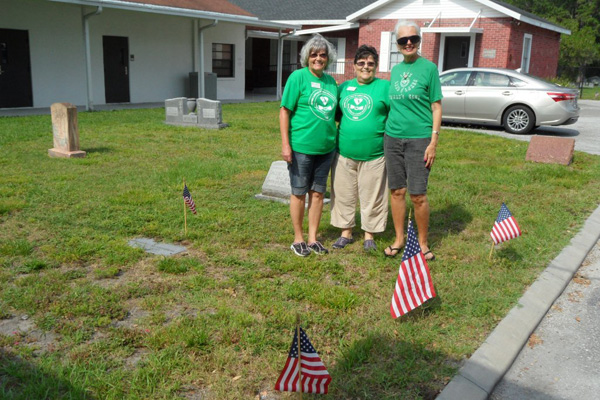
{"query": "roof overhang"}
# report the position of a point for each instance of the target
(328, 29)
(180, 12)
(270, 35)
(453, 29)
(488, 3)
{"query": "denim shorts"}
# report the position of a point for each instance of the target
(309, 172)
(405, 163)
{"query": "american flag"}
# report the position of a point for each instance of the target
(187, 197)
(414, 285)
(505, 227)
(315, 378)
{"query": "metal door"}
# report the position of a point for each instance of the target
(116, 69)
(15, 69)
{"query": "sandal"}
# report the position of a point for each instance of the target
(392, 250)
(432, 256)
(369, 245)
(342, 242)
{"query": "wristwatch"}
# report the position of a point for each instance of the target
(436, 132)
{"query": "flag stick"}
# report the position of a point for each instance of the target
(184, 212)
(491, 251)
(299, 355)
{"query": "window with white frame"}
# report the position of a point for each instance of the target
(222, 60)
(526, 57)
(389, 55)
(340, 48)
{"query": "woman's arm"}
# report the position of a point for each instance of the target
(436, 109)
(284, 127)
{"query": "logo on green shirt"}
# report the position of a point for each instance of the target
(357, 106)
(322, 103)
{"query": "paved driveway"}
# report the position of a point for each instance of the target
(586, 131)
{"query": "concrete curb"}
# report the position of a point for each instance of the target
(480, 374)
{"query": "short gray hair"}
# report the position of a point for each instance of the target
(318, 42)
(404, 22)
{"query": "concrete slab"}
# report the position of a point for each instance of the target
(162, 249)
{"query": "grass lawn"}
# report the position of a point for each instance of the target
(589, 93)
(83, 315)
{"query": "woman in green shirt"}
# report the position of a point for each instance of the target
(358, 171)
(411, 134)
(307, 125)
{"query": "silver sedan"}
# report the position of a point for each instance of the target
(503, 97)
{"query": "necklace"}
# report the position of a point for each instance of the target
(405, 74)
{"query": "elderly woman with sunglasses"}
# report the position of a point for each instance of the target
(358, 170)
(411, 134)
(308, 131)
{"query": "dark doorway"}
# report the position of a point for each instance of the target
(15, 69)
(262, 74)
(456, 52)
(116, 69)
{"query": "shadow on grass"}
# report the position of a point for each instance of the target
(20, 379)
(381, 366)
(98, 150)
(449, 220)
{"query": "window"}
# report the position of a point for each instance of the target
(395, 56)
(340, 48)
(222, 60)
(526, 53)
(459, 78)
(491, 79)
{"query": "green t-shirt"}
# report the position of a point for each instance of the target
(312, 102)
(413, 88)
(364, 112)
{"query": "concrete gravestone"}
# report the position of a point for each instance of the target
(202, 113)
(277, 184)
(65, 131)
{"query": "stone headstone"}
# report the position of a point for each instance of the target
(550, 150)
(65, 131)
(209, 114)
(201, 113)
(277, 184)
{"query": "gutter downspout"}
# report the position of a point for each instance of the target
(201, 92)
(280, 61)
(88, 57)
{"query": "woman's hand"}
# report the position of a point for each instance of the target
(430, 155)
(286, 153)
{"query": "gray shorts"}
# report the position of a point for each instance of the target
(405, 164)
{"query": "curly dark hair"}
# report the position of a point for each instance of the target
(365, 51)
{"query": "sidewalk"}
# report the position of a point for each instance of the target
(537, 374)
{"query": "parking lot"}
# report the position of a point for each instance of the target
(586, 131)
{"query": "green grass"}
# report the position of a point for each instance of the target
(217, 321)
(589, 93)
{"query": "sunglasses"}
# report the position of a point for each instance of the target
(369, 64)
(404, 40)
(314, 55)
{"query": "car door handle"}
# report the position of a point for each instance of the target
(459, 92)
(507, 93)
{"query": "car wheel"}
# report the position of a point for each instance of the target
(518, 119)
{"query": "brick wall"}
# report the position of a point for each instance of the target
(502, 35)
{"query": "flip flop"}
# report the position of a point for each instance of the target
(392, 249)
(432, 256)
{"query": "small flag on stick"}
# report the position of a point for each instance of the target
(315, 378)
(505, 227)
(187, 197)
(414, 285)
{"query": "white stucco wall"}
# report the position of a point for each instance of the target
(55, 47)
(228, 33)
(162, 47)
